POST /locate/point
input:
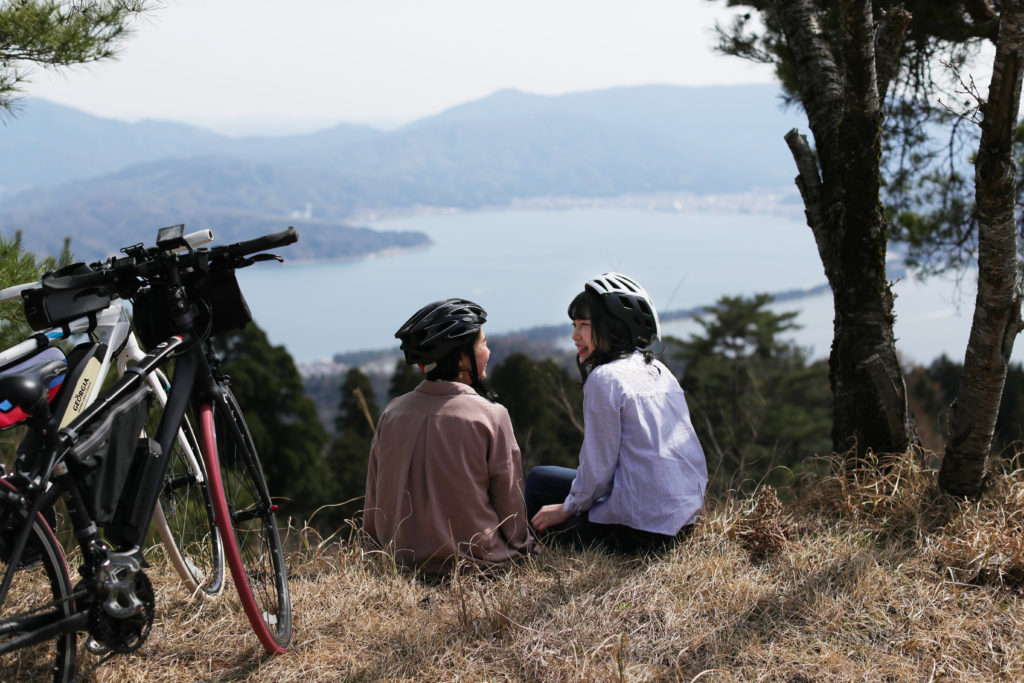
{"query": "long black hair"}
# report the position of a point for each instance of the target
(611, 337)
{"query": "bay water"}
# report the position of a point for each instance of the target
(525, 265)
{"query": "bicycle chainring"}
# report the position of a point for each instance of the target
(125, 635)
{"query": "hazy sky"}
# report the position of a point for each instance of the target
(246, 65)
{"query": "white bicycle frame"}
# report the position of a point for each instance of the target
(112, 328)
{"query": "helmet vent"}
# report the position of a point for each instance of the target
(627, 301)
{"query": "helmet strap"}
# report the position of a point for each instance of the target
(477, 383)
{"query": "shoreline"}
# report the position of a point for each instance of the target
(368, 256)
(383, 358)
(785, 203)
(769, 203)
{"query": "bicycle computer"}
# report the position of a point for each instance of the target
(171, 237)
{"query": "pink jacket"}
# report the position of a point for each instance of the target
(445, 480)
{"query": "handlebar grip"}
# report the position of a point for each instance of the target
(13, 293)
(277, 239)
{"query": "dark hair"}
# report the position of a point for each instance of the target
(611, 337)
(447, 368)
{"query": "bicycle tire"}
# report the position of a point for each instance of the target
(185, 520)
(41, 592)
(245, 516)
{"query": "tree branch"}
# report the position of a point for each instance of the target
(984, 16)
(821, 84)
(889, 33)
(808, 181)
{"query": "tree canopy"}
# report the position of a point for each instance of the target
(759, 407)
(54, 34)
(284, 423)
(18, 266)
(865, 72)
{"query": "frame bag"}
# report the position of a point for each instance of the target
(112, 459)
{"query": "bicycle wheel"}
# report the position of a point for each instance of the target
(184, 517)
(245, 517)
(40, 594)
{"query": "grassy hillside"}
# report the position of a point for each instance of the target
(865, 578)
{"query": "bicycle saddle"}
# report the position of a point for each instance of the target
(29, 389)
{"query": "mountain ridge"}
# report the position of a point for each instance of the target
(105, 178)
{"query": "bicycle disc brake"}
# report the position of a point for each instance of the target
(122, 619)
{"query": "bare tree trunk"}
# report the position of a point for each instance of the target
(840, 188)
(997, 307)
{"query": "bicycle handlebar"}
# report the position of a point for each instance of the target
(123, 274)
(277, 239)
(13, 293)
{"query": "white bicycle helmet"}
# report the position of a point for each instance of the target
(630, 303)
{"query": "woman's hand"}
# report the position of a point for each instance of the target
(549, 516)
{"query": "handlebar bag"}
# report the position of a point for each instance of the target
(228, 308)
(47, 306)
(217, 301)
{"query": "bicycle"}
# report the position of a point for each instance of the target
(184, 512)
(181, 300)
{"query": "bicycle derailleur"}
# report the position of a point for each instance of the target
(121, 619)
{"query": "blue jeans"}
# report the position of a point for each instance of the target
(548, 485)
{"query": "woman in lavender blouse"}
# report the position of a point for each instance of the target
(642, 473)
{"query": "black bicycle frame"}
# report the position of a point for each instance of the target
(84, 528)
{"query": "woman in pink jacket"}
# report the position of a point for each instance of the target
(445, 479)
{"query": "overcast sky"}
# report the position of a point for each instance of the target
(257, 65)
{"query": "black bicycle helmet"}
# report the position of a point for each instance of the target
(627, 301)
(439, 328)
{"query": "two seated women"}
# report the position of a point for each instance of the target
(445, 479)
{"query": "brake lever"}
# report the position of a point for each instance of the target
(256, 258)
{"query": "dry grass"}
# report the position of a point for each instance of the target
(868, 577)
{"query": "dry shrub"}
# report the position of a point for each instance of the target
(762, 527)
(894, 495)
(984, 542)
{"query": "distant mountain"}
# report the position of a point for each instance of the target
(47, 144)
(102, 181)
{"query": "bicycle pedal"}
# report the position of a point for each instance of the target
(96, 647)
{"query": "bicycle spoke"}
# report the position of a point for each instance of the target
(185, 518)
(40, 595)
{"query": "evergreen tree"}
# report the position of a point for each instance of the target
(357, 409)
(863, 72)
(544, 404)
(57, 34)
(936, 389)
(18, 266)
(349, 452)
(759, 407)
(405, 379)
(839, 64)
(285, 428)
